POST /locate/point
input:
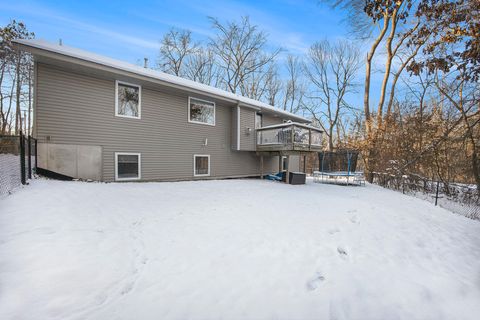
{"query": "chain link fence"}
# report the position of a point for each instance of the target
(18, 161)
(462, 199)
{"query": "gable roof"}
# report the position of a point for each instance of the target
(46, 46)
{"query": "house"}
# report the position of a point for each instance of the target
(103, 119)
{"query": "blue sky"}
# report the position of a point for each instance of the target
(131, 30)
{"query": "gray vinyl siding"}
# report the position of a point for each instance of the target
(247, 120)
(234, 144)
(295, 164)
(269, 120)
(78, 109)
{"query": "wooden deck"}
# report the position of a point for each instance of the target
(289, 137)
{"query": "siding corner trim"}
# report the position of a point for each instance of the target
(238, 128)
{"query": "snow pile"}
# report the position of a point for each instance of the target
(233, 249)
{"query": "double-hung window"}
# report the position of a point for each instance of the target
(127, 166)
(128, 100)
(201, 111)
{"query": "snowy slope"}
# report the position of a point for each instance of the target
(234, 249)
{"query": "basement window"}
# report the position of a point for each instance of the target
(201, 165)
(201, 111)
(127, 166)
(127, 100)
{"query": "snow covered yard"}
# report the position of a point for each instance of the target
(233, 249)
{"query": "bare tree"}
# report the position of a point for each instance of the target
(463, 95)
(7, 96)
(294, 87)
(14, 66)
(397, 25)
(7, 75)
(272, 85)
(201, 67)
(176, 47)
(370, 19)
(331, 70)
(241, 54)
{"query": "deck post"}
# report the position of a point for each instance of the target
(293, 137)
(261, 167)
(280, 160)
(309, 139)
(287, 178)
(321, 163)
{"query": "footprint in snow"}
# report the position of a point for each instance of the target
(100, 299)
(342, 251)
(128, 287)
(137, 223)
(334, 230)
(354, 219)
(315, 282)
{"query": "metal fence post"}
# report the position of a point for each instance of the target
(29, 157)
(436, 194)
(22, 159)
(36, 155)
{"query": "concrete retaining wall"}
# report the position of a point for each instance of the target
(77, 161)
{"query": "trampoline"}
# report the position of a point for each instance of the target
(339, 167)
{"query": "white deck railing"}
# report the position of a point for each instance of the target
(289, 136)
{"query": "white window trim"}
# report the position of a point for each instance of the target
(201, 155)
(199, 122)
(117, 82)
(139, 165)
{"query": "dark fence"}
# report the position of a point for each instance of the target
(463, 199)
(18, 161)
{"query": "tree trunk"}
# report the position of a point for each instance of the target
(8, 122)
(18, 119)
(476, 170)
(330, 138)
(388, 65)
(368, 71)
(370, 146)
(475, 160)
